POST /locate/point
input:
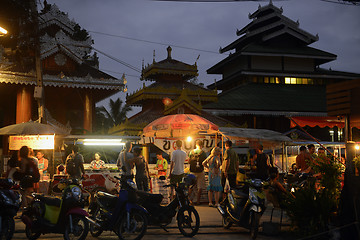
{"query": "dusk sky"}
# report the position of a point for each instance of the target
(194, 29)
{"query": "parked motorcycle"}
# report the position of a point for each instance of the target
(244, 206)
(120, 214)
(188, 219)
(63, 215)
(10, 202)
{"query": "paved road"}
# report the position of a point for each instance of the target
(210, 229)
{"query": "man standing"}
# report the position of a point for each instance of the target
(161, 164)
(196, 158)
(176, 166)
(302, 159)
(262, 164)
(75, 163)
(230, 166)
(125, 161)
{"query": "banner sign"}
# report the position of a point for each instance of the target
(33, 141)
(168, 145)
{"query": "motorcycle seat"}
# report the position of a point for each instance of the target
(51, 201)
(150, 197)
(237, 193)
(105, 195)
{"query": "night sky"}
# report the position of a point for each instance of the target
(204, 28)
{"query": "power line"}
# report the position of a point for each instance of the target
(153, 42)
(126, 75)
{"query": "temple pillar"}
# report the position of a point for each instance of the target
(23, 105)
(146, 152)
(88, 111)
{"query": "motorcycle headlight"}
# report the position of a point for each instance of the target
(76, 191)
(252, 196)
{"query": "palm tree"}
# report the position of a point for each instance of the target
(106, 119)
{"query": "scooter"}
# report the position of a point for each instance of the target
(244, 206)
(187, 217)
(10, 202)
(63, 215)
(120, 214)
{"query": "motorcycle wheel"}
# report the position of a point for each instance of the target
(226, 222)
(94, 230)
(7, 228)
(136, 229)
(254, 224)
(188, 221)
(80, 228)
(30, 234)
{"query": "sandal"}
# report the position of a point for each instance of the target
(211, 205)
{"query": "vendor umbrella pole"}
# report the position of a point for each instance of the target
(302, 129)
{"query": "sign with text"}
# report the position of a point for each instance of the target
(168, 145)
(32, 141)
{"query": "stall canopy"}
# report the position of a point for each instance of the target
(267, 138)
(317, 121)
(179, 125)
(31, 128)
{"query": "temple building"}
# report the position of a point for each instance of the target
(174, 90)
(272, 73)
(71, 79)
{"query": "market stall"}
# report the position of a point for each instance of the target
(251, 138)
(165, 131)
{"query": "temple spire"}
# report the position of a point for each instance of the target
(169, 52)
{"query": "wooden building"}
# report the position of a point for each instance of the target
(174, 90)
(72, 82)
(272, 73)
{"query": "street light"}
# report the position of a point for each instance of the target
(3, 31)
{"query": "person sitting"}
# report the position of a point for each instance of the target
(277, 190)
(97, 163)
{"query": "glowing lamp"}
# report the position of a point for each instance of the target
(357, 147)
(3, 31)
(189, 139)
(103, 142)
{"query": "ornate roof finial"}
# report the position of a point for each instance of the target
(197, 60)
(154, 56)
(297, 22)
(169, 52)
(270, 3)
(259, 6)
(142, 64)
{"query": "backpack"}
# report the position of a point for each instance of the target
(33, 171)
(70, 165)
(195, 162)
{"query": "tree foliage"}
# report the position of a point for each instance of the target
(106, 119)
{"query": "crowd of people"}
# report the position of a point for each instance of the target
(222, 167)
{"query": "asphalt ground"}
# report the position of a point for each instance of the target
(210, 228)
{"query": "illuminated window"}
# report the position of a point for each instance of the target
(305, 81)
(293, 80)
(272, 80)
(277, 80)
(287, 80)
(266, 80)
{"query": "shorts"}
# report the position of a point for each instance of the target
(200, 179)
(175, 179)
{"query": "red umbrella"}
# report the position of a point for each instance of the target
(179, 125)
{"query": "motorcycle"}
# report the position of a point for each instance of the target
(244, 206)
(10, 202)
(188, 219)
(63, 215)
(119, 213)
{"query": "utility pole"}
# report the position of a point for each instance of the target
(39, 90)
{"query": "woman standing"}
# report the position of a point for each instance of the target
(213, 164)
(142, 171)
(97, 163)
(43, 163)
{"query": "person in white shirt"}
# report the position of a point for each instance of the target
(177, 166)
